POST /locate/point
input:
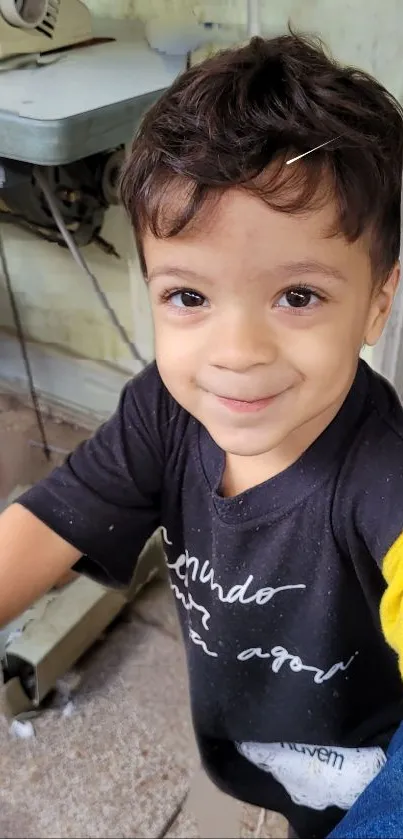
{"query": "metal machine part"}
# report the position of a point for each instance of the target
(51, 214)
(79, 259)
(28, 14)
(83, 190)
(65, 205)
(37, 26)
(110, 176)
(48, 116)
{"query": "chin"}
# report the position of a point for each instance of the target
(243, 443)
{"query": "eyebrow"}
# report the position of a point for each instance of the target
(283, 271)
(175, 271)
(309, 266)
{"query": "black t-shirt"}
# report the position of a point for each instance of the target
(294, 691)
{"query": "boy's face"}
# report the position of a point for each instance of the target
(259, 321)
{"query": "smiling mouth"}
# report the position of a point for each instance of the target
(245, 406)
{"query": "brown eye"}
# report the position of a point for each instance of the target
(187, 299)
(298, 298)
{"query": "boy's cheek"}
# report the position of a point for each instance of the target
(179, 350)
(178, 369)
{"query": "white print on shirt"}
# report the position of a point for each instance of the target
(195, 637)
(165, 536)
(280, 656)
(317, 776)
(187, 566)
(205, 574)
(190, 604)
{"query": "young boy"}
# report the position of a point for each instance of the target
(271, 456)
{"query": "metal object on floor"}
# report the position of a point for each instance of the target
(48, 639)
(59, 629)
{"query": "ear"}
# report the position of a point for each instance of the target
(382, 301)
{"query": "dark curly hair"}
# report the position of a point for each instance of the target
(235, 118)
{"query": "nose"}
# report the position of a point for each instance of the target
(241, 342)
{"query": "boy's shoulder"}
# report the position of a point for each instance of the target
(369, 496)
(148, 401)
(378, 439)
(148, 384)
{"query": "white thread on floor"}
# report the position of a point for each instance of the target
(68, 710)
(259, 823)
(22, 730)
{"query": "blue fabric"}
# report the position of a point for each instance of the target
(378, 812)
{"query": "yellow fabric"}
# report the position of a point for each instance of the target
(391, 610)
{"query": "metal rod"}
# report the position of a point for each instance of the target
(253, 10)
(55, 449)
(79, 259)
(24, 349)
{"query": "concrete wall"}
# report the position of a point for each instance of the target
(61, 315)
(365, 33)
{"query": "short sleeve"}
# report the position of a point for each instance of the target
(377, 494)
(106, 498)
(368, 518)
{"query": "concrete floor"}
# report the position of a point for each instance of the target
(21, 462)
(120, 762)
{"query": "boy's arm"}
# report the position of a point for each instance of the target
(95, 512)
(32, 558)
